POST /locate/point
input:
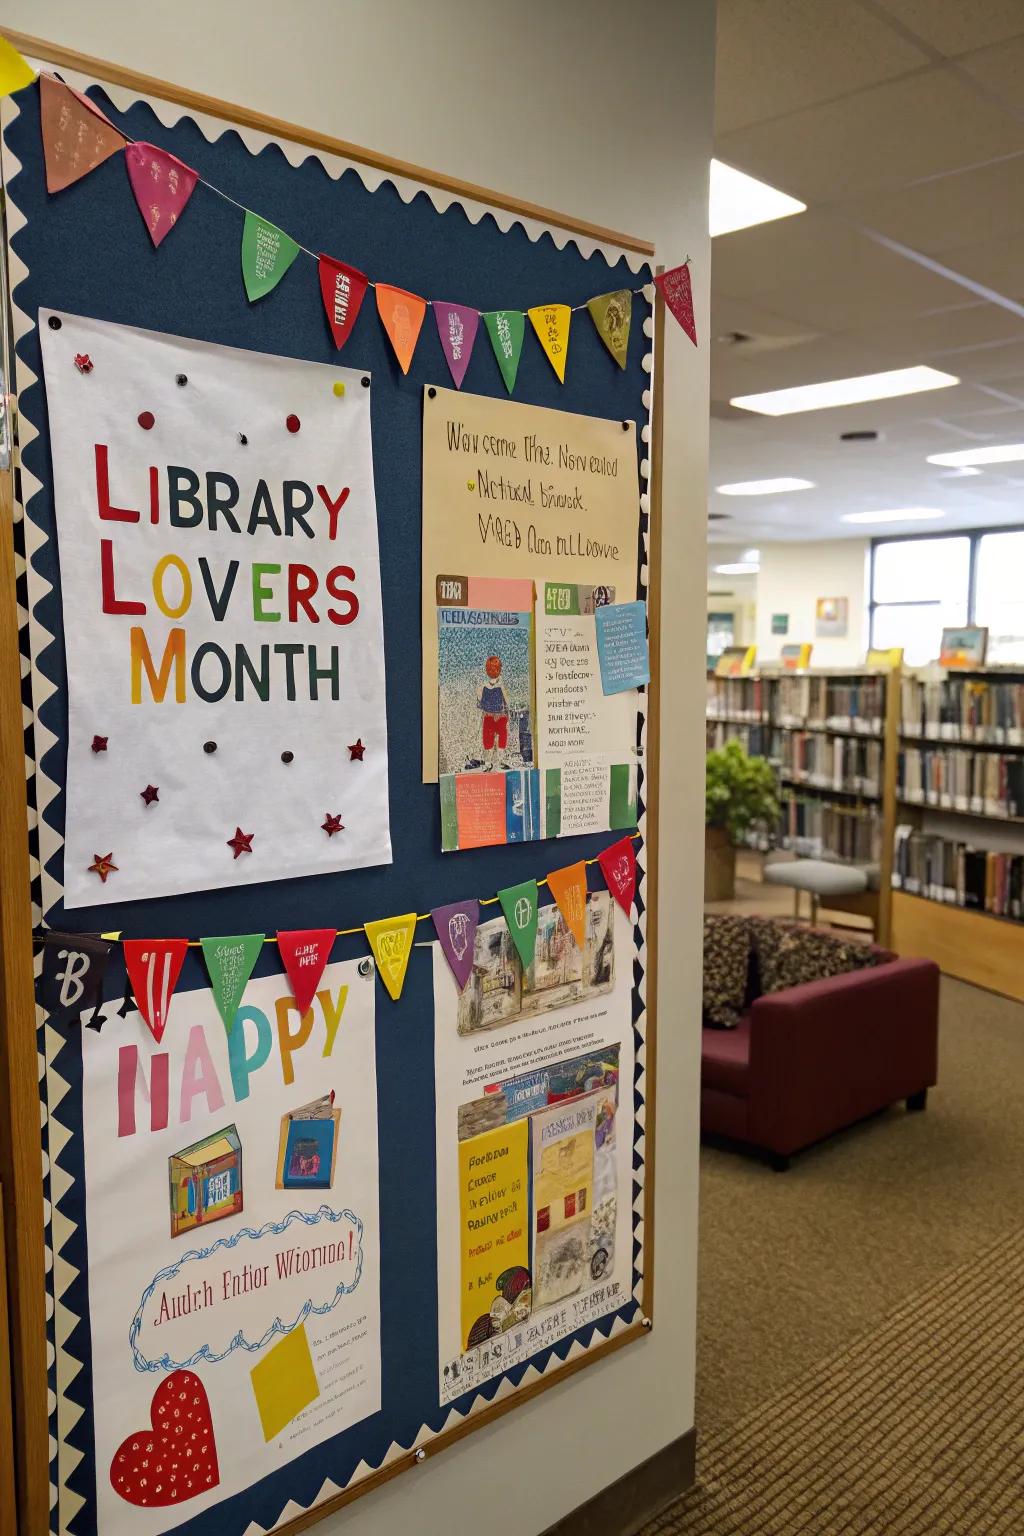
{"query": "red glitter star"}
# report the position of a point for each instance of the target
(103, 865)
(356, 751)
(332, 824)
(241, 842)
(83, 362)
(150, 793)
(99, 743)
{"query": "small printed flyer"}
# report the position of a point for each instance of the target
(533, 1082)
(233, 1219)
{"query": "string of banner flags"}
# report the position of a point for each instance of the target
(75, 964)
(78, 137)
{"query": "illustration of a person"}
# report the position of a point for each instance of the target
(490, 698)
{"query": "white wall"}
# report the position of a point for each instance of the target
(792, 578)
(539, 100)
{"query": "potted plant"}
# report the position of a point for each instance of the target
(740, 793)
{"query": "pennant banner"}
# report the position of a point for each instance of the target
(230, 963)
(342, 289)
(506, 328)
(401, 315)
(456, 928)
(267, 253)
(14, 70)
(618, 865)
(611, 313)
(154, 966)
(74, 965)
(519, 904)
(391, 942)
(678, 295)
(569, 888)
(162, 185)
(551, 322)
(304, 953)
(76, 136)
(457, 326)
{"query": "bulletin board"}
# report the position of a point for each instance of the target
(86, 252)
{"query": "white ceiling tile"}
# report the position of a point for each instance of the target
(938, 337)
(1000, 71)
(935, 216)
(884, 285)
(998, 263)
(956, 26)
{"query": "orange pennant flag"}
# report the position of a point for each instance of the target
(76, 135)
(401, 315)
(569, 888)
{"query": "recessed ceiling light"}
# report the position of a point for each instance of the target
(1004, 453)
(764, 487)
(867, 386)
(739, 201)
(737, 568)
(898, 515)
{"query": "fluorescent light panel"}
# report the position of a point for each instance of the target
(867, 386)
(737, 568)
(739, 201)
(764, 487)
(1003, 453)
(897, 515)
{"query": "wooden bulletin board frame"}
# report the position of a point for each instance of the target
(19, 1064)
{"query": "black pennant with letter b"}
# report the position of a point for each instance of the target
(74, 965)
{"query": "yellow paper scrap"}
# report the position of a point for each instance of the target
(284, 1382)
(14, 70)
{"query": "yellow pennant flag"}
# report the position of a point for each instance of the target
(14, 70)
(569, 888)
(611, 313)
(551, 322)
(391, 942)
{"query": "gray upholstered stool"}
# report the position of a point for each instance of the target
(819, 878)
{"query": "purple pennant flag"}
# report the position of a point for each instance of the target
(456, 326)
(456, 928)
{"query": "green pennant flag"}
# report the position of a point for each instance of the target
(267, 253)
(506, 328)
(519, 904)
(611, 313)
(230, 962)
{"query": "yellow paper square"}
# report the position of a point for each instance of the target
(284, 1382)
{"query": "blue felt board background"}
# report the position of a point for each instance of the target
(88, 252)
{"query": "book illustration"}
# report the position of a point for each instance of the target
(485, 686)
(205, 1181)
(308, 1146)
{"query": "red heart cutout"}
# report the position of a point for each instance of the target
(176, 1459)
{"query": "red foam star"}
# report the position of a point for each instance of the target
(99, 743)
(241, 842)
(150, 793)
(83, 362)
(356, 751)
(103, 865)
(332, 824)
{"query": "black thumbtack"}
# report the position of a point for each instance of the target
(432, 392)
(54, 323)
(365, 383)
(287, 757)
(209, 746)
(242, 439)
(625, 426)
(181, 379)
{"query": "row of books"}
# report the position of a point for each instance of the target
(957, 779)
(842, 704)
(964, 709)
(944, 869)
(831, 762)
(816, 829)
(758, 740)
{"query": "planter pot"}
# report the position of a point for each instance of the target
(719, 865)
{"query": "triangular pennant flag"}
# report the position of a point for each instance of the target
(519, 904)
(401, 315)
(153, 967)
(230, 962)
(569, 888)
(342, 289)
(304, 954)
(456, 928)
(267, 253)
(506, 328)
(76, 136)
(162, 185)
(391, 941)
(74, 965)
(678, 295)
(457, 327)
(14, 70)
(611, 313)
(618, 865)
(551, 322)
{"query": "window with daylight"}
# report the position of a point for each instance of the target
(918, 588)
(999, 594)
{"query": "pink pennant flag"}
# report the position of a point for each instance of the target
(76, 135)
(678, 295)
(162, 185)
(456, 326)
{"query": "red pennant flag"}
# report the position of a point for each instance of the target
(154, 966)
(618, 865)
(76, 135)
(342, 289)
(676, 291)
(305, 952)
(162, 185)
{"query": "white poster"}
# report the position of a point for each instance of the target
(533, 1081)
(217, 536)
(232, 1211)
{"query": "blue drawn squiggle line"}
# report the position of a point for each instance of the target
(165, 1363)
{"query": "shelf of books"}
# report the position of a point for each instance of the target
(832, 738)
(958, 859)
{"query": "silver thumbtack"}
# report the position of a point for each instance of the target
(365, 967)
(420, 1454)
(645, 1322)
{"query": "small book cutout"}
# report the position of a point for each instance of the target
(308, 1149)
(205, 1181)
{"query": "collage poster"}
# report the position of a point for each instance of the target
(232, 1211)
(534, 1097)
